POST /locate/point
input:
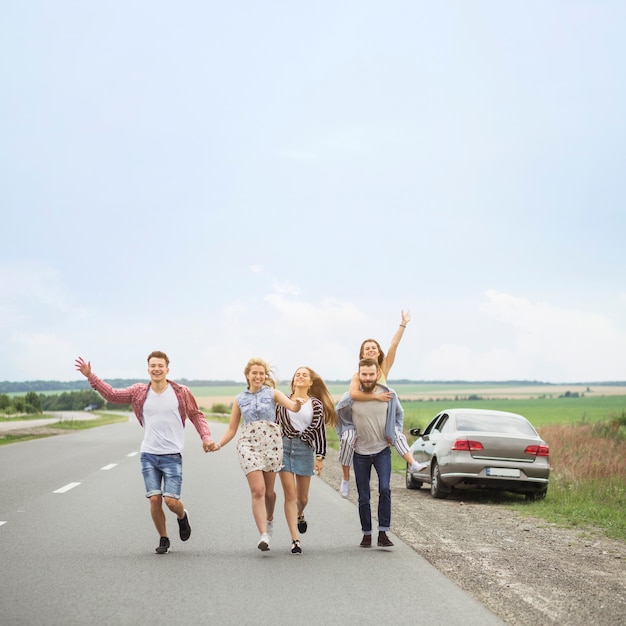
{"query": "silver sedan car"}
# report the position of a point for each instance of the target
(479, 448)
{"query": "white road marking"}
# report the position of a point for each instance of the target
(2, 523)
(66, 488)
(109, 466)
(132, 454)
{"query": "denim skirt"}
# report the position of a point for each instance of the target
(298, 457)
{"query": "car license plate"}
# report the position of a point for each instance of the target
(503, 472)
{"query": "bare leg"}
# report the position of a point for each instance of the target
(158, 516)
(270, 494)
(257, 491)
(302, 491)
(288, 482)
(175, 506)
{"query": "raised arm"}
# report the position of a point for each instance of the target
(390, 357)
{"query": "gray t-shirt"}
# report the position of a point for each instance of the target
(369, 422)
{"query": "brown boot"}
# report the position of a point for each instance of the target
(366, 542)
(383, 540)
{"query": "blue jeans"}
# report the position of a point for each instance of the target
(363, 464)
(162, 474)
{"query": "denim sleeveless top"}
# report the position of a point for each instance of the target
(257, 406)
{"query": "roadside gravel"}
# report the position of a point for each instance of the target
(525, 570)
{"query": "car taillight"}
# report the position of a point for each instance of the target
(538, 450)
(467, 444)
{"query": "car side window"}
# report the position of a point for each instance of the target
(442, 423)
(431, 426)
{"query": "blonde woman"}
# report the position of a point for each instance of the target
(260, 446)
(304, 445)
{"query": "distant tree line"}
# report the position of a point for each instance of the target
(33, 403)
(55, 385)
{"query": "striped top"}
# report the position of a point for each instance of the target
(314, 435)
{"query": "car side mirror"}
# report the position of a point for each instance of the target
(416, 432)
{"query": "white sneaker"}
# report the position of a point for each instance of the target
(344, 490)
(264, 543)
(270, 527)
(417, 467)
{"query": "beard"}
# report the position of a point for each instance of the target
(368, 387)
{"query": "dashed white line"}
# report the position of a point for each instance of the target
(66, 488)
(2, 523)
(109, 466)
(132, 454)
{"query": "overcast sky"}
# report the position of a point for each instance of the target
(222, 180)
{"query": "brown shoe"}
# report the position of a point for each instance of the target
(366, 542)
(384, 541)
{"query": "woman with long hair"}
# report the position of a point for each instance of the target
(304, 445)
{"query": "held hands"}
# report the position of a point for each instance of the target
(211, 446)
(84, 367)
(383, 397)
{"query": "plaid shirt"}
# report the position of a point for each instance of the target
(136, 395)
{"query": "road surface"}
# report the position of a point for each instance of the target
(77, 548)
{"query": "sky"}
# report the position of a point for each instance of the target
(279, 179)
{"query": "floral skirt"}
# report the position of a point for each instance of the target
(260, 447)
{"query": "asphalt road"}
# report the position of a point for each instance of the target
(77, 548)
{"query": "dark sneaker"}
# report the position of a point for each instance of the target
(184, 528)
(295, 547)
(164, 546)
(366, 542)
(384, 541)
(302, 524)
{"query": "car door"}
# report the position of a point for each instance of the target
(425, 446)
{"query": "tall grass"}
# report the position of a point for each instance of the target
(588, 476)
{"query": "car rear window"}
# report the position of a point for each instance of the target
(495, 423)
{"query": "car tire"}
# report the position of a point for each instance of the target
(411, 483)
(533, 496)
(437, 490)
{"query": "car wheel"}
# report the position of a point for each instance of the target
(437, 490)
(533, 496)
(411, 483)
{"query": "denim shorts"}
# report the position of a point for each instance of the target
(162, 474)
(298, 457)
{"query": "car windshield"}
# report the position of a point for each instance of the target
(495, 423)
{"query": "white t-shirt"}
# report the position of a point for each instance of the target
(369, 420)
(303, 418)
(163, 427)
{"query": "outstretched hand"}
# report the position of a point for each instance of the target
(84, 367)
(406, 317)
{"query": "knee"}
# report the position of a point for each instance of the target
(156, 502)
(171, 503)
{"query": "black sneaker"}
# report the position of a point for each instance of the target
(302, 524)
(164, 546)
(383, 540)
(184, 528)
(295, 547)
